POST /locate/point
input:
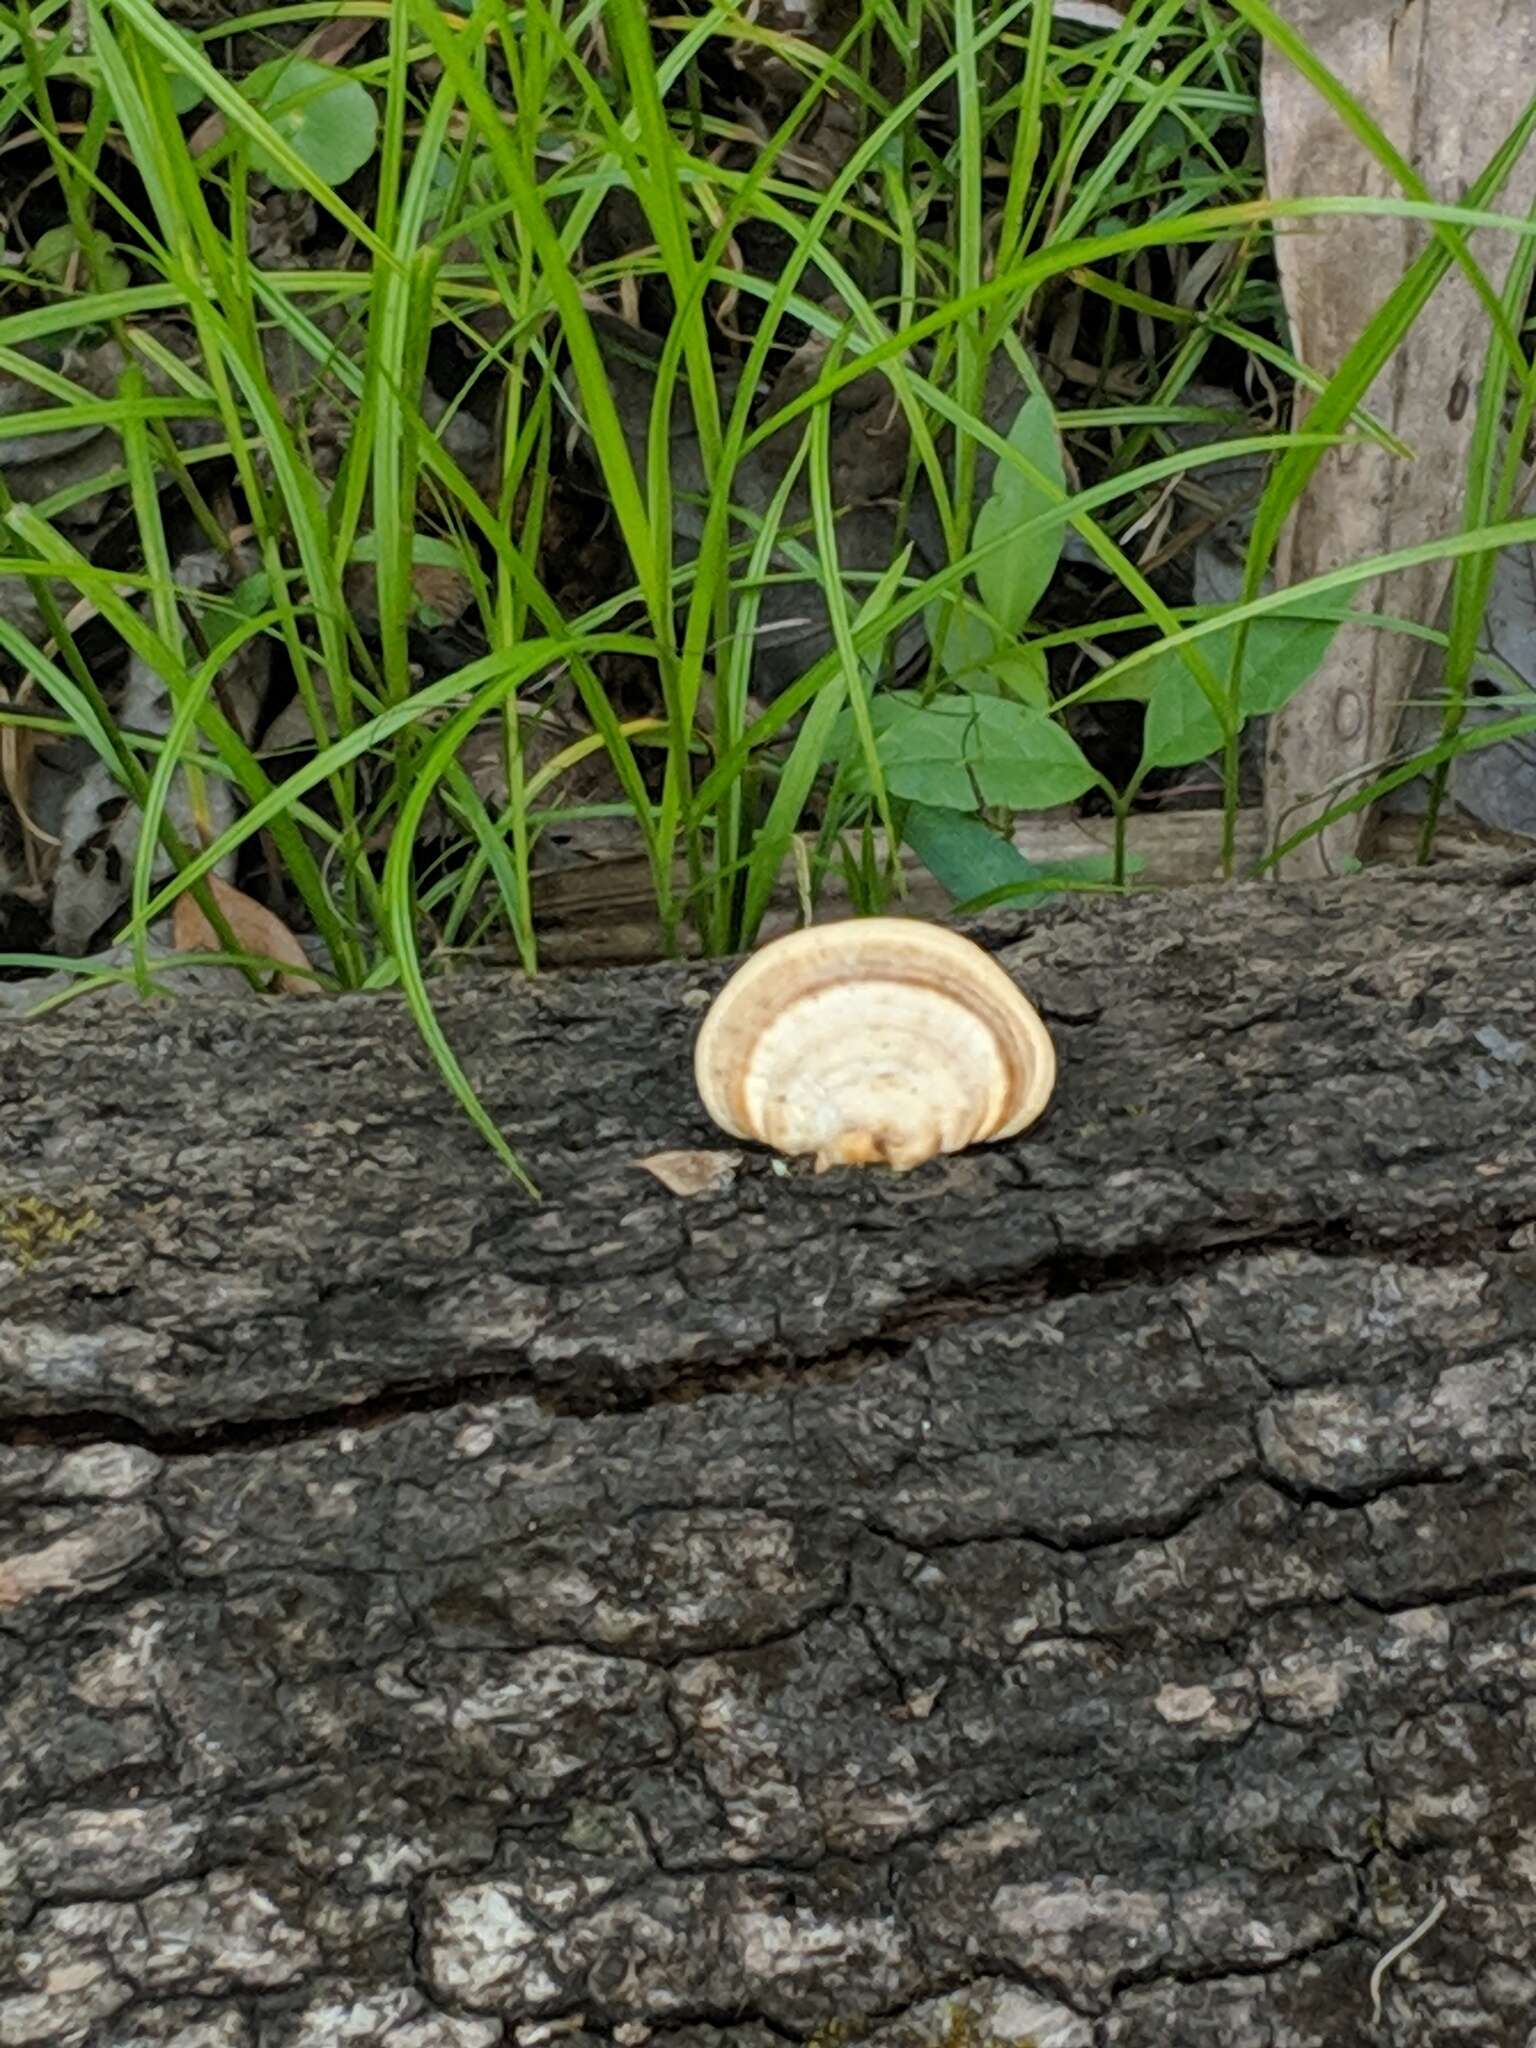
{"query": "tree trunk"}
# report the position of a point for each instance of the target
(1078, 1593)
(1447, 81)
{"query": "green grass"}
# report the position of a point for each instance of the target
(924, 204)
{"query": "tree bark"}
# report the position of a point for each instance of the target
(1078, 1593)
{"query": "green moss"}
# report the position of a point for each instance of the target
(31, 1227)
(961, 2031)
(837, 2033)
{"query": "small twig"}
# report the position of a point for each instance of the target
(1409, 1940)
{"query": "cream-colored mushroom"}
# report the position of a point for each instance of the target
(877, 1040)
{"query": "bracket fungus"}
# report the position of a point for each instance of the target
(878, 1040)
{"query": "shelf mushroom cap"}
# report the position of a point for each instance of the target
(875, 1040)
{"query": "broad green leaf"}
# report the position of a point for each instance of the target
(923, 754)
(57, 249)
(886, 708)
(964, 856)
(252, 594)
(1181, 726)
(1281, 656)
(966, 750)
(980, 868)
(1022, 674)
(425, 548)
(327, 118)
(1024, 760)
(1092, 868)
(1013, 580)
(944, 784)
(933, 732)
(1165, 143)
(1136, 686)
(961, 638)
(185, 92)
(972, 651)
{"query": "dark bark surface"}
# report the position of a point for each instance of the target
(1079, 1593)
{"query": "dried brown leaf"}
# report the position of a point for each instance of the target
(442, 594)
(692, 1173)
(328, 44)
(257, 929)
(17, 747)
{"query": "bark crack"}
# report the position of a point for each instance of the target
(1059, 1278)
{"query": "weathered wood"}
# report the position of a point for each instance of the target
(1087, 1579)
(1447, 80)
(603, 914)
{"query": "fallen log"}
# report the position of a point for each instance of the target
(604, 914)
(1078, 1594)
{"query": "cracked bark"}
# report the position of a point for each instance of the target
(1087, 1580)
